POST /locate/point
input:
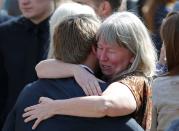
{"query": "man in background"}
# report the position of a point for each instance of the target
(103, 8)
(23, 43)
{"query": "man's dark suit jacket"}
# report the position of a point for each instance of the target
(22, 45)
(62, 89)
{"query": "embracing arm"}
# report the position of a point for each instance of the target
(52, 68)
(116, 100)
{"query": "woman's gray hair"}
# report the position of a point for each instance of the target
(127, 30)
(61, 13)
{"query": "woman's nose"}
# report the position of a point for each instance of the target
(103, 55)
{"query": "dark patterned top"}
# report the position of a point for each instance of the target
(141, 89)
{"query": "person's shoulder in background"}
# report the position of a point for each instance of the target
(174, 126)
(4, 16)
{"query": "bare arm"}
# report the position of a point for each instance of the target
(116, 100)
(52, 68)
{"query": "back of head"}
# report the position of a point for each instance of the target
(68, 9)
(115, 4)
(74, 37)
(170, 36)
(64, 10)
(127, 30)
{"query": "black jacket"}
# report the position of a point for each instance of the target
(62, 89)
(22, 45)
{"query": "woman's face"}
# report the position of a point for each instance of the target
(113, 58)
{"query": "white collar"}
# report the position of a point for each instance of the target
(86, 67)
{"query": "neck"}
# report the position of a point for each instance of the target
(38, 21)
(43, 17)
(91, 66)
(91, 62)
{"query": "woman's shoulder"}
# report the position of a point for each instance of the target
(137, 82)
(164, 83)
(135, 77)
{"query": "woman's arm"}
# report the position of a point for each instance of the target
(53, 68)
(116, 100)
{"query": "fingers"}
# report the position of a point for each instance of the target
(98, 88)
(37, 122)
(36, 112)
(42, 99)
(92, 88)
(89, 89)
(92, 85)
(30, 118)
(86, 91)
(29, 108)
(27, 114)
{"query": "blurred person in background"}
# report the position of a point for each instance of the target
(166, 87)
(161, 65)
(176, 6)
(3, 14)
(24, 42)
(174, 126)
(132, 6)
(154, 11)
(103, 8)
(140, 4)
(12, 7)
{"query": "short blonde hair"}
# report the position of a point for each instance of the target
(63, 11)
(74, 38)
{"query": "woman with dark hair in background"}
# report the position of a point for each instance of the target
(166, 87)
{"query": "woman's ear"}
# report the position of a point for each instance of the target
(105, 9)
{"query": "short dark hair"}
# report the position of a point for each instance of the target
(74, 37)
(115, 4)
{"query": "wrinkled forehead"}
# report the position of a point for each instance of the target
(114, 43)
